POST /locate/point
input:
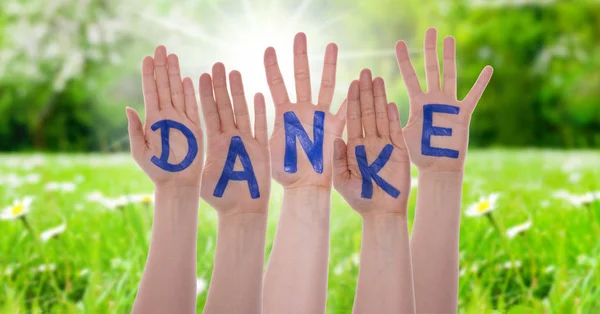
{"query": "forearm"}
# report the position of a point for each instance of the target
(434, 242)
(296, 276)
(385, 280)
(168, 284)
(236, 284)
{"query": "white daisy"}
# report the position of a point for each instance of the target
(485, 205)
(146, 199)
(574, 177)
(514, 231)
(200, 286)
(414, 182)
(511, 264)
(45, 267)
(52, 232)
(60, 186)
(18, 209)
(549, 269)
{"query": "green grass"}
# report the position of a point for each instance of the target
(112, 244)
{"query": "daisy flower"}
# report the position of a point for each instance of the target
(200, 286)
(45, 267)
(60, 186)
(52, 232)
(514, 231)
(484, 206)
(18, 209)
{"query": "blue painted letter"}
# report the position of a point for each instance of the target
(430, 130)
(369, 172)
(163, 161)
(314, 151)
(237, 149)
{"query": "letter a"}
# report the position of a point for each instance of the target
(237, 149)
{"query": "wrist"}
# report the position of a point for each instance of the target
(441, 176)
(177, 191)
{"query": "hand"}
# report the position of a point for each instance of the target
(369, 111)
(168, 102)
(305, 110)
(445, 152)
(228, 139)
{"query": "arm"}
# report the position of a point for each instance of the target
(372, 173)
(169, 280)
(437, 136)
(236, 284)
(385, 282)
(239, 194)
(297, 273)
(435, 239)
(168, 283)
(296, 276)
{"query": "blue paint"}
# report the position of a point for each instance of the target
(314, 151)
(369, 172)
(237, 149)
(429, 130)
(163, 161)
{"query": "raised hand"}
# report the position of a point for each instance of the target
(237, 174)
(169, 148)
(437, 132)
(377, 180)
(169, 145)
(293, 140)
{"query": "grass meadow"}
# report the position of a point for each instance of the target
(94, 263)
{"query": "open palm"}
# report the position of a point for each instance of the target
(167, 98)
(373, 124)
(221, 130)
(446, 149)
(304, 109)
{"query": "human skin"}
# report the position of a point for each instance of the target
(296, 276)
(435, 235)
(168, 284)
(236, 284)
(385, 281)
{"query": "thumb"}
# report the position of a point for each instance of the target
(340, 163)
(137, 140)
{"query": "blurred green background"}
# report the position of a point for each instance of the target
(68, 68)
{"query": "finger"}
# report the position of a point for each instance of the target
(222, 97)
(135, 128)
(149, 87)
(242, 119)
(432, 66)
(381, 115)
(328, 78)
(341, 173)
(191, 104)
(177, 96)
(341, 113)
(411, 81)
(353, 115)
(274, 78)
(367, 104)
(396, 134)
(162, 78)
(301, 70)
(209, 106)
(475, 94)
(450, 66)
(261, 133)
